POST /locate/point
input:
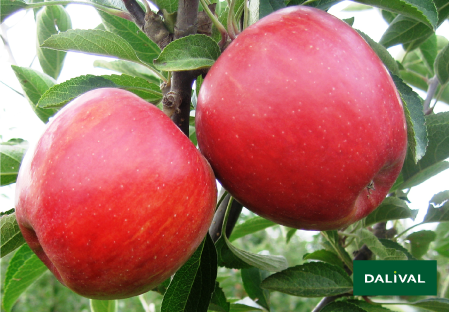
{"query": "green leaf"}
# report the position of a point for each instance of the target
(188, 53)
(342, 306)
(355, 7)
(11, 155)
(260, 9)
(367, 306)
(230, 256)
(382, 53)
(315, 279)
(367, 238)
(440, 198)
(92, 41)
(393, 245)
(50, 21)
(145, 49)
(34, 84)
(414, 71)
(192, 130)
(392, 208)
(429, 51)
(170, 6)
(250, 226)
(442, 240)
(192, 135)
(9, 7)
(129, 68)
(116, 4)
(103, 305)
(350, 21)
(60, 94)
(267, 7)
(7, 212)
(290, 233)
(252, 278)
(416, 129)
(437, 151)
(325, 256)
(420, 10)
(241, 307)
(437, 214)
(24, 268)
(431, 304)
(420, 242)
(10, 236)
(418, 65)
(319, 4)
(442, 65)
(193, 284)
(405, 30)
(388, 16)
(218, 301)
(226, 258)
(334, 241)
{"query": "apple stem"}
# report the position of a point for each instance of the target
(216, 227)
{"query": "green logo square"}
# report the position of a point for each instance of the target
(395, 278)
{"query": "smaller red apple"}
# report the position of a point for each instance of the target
(114, 198)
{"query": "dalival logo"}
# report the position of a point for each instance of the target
(395, 278)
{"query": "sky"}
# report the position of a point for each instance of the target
(17, 120)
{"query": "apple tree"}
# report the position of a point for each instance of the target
(176, 55)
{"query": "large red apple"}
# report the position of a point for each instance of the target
(114, 198)
(301, 121)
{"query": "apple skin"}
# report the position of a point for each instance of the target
(301, 121)
(114, 198)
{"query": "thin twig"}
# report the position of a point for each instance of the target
(325, 301)
(4, 36)
(433, 86)
(21, 94)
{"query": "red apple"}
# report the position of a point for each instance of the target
(114, 198)
(301, 121)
